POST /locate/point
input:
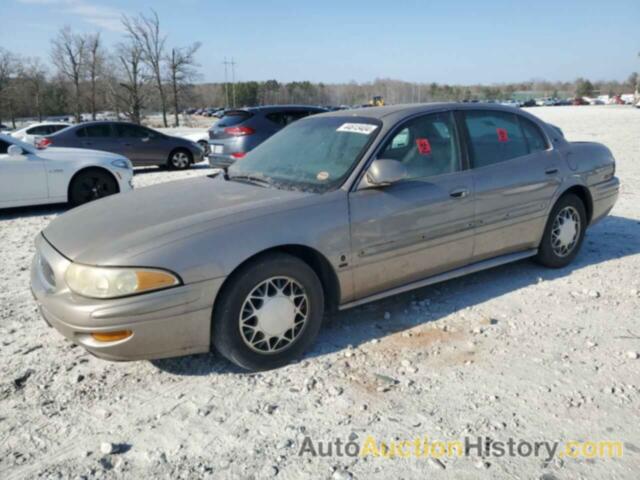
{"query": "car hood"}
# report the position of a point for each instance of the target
(114, 230)
(64, 153)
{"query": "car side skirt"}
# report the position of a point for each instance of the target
(458, 272)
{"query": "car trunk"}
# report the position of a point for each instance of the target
(230, 125)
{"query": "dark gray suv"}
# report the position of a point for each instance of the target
(142, 145)
(241, 130)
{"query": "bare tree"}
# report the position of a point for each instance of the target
(34, 74)
(8, 70)
(68, 55)
(181, 64)
(145, 32)
(94, 61)
(131, 94)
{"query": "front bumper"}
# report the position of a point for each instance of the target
(124, 178)
(220, 161)
(166, 323)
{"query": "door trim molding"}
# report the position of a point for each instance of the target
(458, 272)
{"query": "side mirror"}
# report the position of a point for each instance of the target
(15, 151)
(384, 172)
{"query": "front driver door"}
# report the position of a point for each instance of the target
(23, 179)
(421, 226)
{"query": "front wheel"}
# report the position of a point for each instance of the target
(180, 159)
(91, 185)
(563, 233)
(269, 312)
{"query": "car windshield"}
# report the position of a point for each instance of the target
(314, 154)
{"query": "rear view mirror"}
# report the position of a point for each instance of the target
(384, 172)
(15, 151)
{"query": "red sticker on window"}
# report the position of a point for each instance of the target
(424, 147)
(502, 135)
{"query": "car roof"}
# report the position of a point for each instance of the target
(394, 113)
(105, 122)
(276, 108)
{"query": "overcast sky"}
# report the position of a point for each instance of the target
(479, 41)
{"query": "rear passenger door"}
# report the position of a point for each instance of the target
(515, 174)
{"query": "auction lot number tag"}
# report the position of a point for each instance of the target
(424, 147)
(363, 128)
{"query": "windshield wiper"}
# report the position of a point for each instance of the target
(256, 180)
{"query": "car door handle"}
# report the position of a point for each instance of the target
(459, 193)
(551, 171)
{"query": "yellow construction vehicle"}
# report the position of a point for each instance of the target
(377, 101)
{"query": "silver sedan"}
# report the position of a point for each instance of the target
(334, 211)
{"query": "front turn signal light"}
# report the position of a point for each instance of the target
(111, 336)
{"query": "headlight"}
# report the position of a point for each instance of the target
(96, 282)
(121, 163)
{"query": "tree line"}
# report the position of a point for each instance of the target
(139, 73)
(394, 91)
(142, 74)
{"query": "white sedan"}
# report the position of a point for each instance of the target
(30, 133)
(29, 176)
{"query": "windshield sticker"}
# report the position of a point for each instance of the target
(364, 128)
(424, 147)
(322, 176)
(503, 136)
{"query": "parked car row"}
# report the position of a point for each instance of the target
(334, 211)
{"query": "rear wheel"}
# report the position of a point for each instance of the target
(564, 232)
(269, 312)
(90, 185)
(180, 159)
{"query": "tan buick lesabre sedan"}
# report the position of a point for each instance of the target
(334, 211)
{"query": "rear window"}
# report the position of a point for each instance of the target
(234, 118)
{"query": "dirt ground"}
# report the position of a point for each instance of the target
(517, 352)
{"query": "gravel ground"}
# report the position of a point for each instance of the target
(516, 352)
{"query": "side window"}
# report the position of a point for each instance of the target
(535, 139)
(98, 130)
(4, 146)
(494, 137)
(81, 132)
(277, 118)
(131, 131)
(427, 146)
(56, 128)
(293, 115)
(41, 130)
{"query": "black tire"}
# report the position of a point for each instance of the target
(180, 159)
(91, 184)
(231, 340)
(547, 254)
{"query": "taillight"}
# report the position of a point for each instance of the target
(43, 143)
(239, 131)
(238, 154)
